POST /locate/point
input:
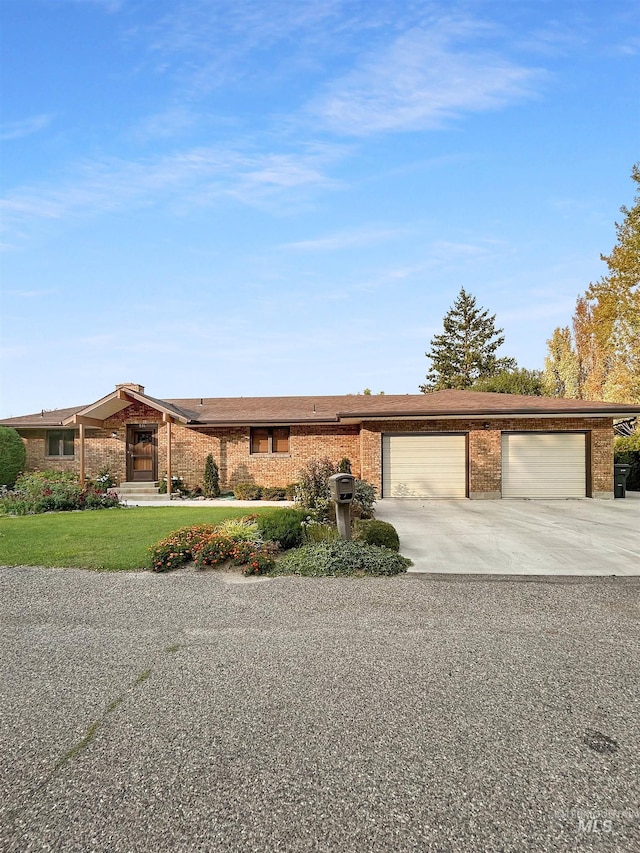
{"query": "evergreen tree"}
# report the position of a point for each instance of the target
(13, 456)
(211, 478)
(466, 350)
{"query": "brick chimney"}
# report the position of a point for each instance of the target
(130, 386)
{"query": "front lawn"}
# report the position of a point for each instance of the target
(110, 539)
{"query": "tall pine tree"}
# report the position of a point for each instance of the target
(466, 350)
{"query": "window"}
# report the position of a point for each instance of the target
(60, 442)
(270, 440)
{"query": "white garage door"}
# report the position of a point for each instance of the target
(424, 466)
(543, 465)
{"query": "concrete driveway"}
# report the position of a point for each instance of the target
(573, 537)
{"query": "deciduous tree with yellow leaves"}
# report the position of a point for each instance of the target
(599, 359)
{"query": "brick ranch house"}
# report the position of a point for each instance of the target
(447, 444)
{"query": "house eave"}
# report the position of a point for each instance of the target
(474, 415)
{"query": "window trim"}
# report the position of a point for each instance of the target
(270, 451)
(63, 437)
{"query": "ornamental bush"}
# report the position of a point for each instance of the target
(177, 485)
(253, 558)
(13, 456)
(177, 548)
(53, 491)
(283, 526)
(363, 500)
(213, 550)
(218, 549)
(319, 531)
(341, 558)
(312, 491)
(247, 492)
(211, 478)
(375, 532)
(273, 493)
(243, 529)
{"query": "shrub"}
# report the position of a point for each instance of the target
(104, 481)
(218, 549)
(375, 532)
(178, 548)
(53, 491)
(290, 491)
(214, 550)
(254, 559)
(273, 493)
(283, 526)
(243, 529)
(312, 491)
(177, 485)
(211, 478)
(627, 451)
(341, 558)
(13, 456)
(247, 492)
(319, 531)
(344, 466)
(363, 500)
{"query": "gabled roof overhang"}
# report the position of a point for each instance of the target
(97, 413)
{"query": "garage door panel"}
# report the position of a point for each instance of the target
(424, 466)
(545, 465)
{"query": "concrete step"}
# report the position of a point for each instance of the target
(138, 488)
(133, 492)
(143, 497)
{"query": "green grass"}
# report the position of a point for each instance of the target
(109, 540)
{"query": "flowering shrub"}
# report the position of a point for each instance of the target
(177, 485)
(104, 481)
(214, 546)
(213, 550)
(255, 559)
(53, 491)
(178, 548)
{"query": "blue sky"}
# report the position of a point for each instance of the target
(270, 197)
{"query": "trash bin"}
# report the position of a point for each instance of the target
(620, 474)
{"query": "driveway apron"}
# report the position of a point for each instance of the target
(566, 537)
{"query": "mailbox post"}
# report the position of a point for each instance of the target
(342, 487)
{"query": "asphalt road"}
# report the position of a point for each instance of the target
(183, 712)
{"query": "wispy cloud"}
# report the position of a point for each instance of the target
(423, 81)
(194, 177)
(25, 127)
(350, 238)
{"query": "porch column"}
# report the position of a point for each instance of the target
(168, 419)
(82, 477)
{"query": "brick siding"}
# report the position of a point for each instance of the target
(106, 448)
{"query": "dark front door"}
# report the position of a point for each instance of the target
(142, 456)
